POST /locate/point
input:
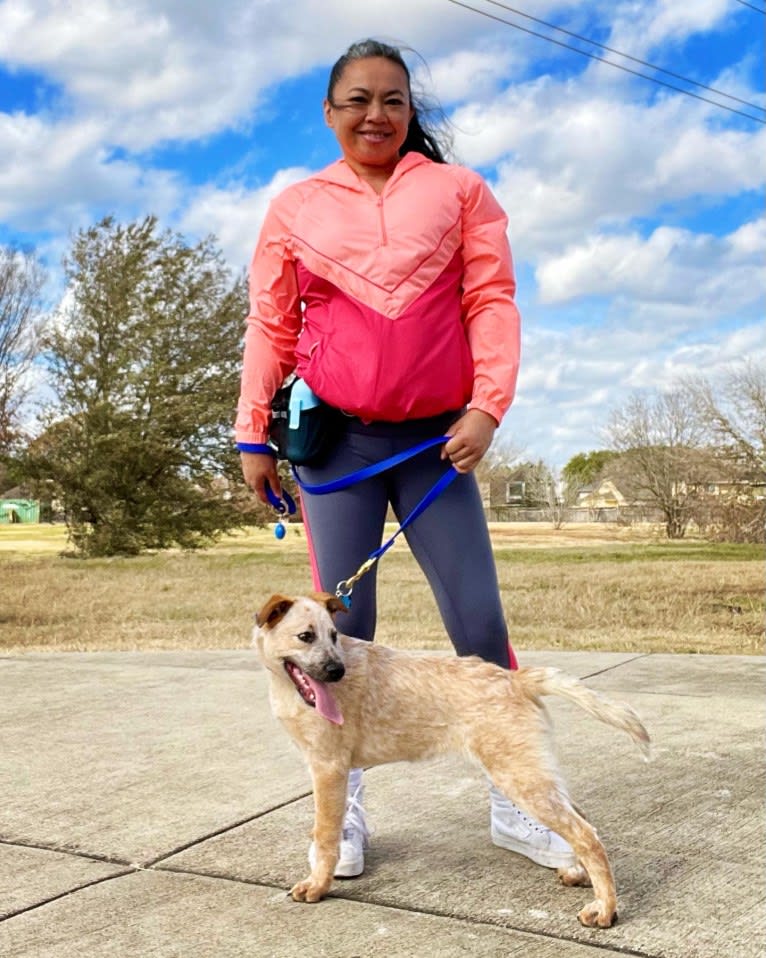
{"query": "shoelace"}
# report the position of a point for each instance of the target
(500, 799)
(354, 819)
(535, 825)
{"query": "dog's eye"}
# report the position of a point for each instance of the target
(334, 636)
(307, 637)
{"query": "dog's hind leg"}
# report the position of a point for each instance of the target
(329, 808)
(547, 801)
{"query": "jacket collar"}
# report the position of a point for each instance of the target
(341, 173)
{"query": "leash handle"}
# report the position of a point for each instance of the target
(284, 505)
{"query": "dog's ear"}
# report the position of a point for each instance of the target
(274, 610)
(331, 602)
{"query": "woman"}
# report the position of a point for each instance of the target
(386, 282)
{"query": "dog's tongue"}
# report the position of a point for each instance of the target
(325, 701)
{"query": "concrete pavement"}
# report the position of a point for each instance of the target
(150, 806)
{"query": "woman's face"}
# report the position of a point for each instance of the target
(369, 113)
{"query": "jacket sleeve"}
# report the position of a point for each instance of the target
(272, 327)
(490, 315)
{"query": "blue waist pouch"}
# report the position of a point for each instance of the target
(303, 428)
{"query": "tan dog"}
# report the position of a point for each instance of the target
(349, 704)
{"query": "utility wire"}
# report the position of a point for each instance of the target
(627, 56)
(610, 63)
(757, 9)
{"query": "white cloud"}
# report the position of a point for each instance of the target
(749, 239)
(701, 160)
(640, 28)
(577, 162)
(572, 379)
(707, 275)
(467, 74)
(235, 215)
(177, 70)
(573, 161)
(54, 175)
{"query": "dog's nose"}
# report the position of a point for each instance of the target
(334, 671)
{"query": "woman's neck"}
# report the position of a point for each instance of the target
(376, 176)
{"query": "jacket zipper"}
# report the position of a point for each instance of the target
(382, 223)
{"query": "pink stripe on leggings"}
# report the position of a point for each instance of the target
(312, 555)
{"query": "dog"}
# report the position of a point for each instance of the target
(351, 704)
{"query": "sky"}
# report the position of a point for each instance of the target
(636, 211)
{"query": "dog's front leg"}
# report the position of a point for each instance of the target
(329, 808)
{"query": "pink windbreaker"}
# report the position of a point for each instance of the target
(391, 306)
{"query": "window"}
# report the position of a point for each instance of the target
(514, 492)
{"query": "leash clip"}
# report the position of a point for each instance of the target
(345, 587)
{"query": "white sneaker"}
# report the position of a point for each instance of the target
(513, 829)
(354, 837)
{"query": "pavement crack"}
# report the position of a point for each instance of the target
(617, 665)
(611, 947)
(519, 929)
(73, 852)
(65, 894)
(223, 831)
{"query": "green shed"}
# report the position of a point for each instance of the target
(19, 510)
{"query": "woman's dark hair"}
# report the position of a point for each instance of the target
(430, 139)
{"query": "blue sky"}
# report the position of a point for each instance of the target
(636, 212)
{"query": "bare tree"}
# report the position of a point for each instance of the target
(553, 494)
(662, 439)
(500, 456)
(21, 281)
(734, 414)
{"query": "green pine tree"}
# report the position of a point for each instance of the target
(144, 360)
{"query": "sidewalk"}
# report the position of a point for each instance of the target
(151, 806)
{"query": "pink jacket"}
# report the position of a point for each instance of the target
(391, 306)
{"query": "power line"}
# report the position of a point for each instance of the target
(611, 63)
(627, 56)
(757, 9)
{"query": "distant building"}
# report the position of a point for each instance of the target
(19, 510)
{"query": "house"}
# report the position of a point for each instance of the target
(601, 495)
(518, 494)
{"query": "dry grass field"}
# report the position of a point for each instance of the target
(582, 587)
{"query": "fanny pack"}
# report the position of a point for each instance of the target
(303, 428)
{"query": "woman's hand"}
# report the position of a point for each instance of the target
(470, 438)
(259, 469)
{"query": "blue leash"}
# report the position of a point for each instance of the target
(334, 485)
(345, 586)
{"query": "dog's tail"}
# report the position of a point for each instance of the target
(543, 681)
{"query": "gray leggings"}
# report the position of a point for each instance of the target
(450, 540)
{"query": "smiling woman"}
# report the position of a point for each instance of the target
(386, 283)
(127, 111)
(369, 110)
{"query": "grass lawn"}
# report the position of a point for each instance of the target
(590, 586)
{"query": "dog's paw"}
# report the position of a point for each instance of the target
(596, 915)
(576, 875)
(309, 891)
